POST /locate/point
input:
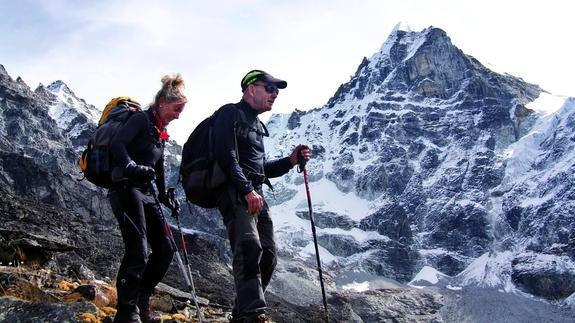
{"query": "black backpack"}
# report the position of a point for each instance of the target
(96, 160)
(202, 176)
(201, 173)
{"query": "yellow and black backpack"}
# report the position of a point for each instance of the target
(96, 160)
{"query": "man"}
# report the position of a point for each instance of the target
(238, 137)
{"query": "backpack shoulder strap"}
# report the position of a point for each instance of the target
(124, 101)
(265, 131)
(260, 128)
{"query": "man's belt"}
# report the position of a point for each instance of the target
(257, 178)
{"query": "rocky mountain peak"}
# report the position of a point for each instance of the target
(74, 116)
(58, 86)
(20, 81)
(24, 87)
(414, 152)
(44, 94)
(402, 25)
(3, 70)
(426, 65)
(4, 76)
(14, 89)
(41, 88)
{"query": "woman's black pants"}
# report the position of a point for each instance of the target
(141, 223)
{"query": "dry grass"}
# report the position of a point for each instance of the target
(26, 284)
(67, 286)
(89, 318)
(39, 285)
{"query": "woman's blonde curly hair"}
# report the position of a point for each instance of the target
(172, 90)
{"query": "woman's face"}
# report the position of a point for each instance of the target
(170, 111)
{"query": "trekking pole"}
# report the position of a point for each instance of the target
(176, 214)
(301, 163)
(187, 276)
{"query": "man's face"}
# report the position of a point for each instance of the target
(264, 95)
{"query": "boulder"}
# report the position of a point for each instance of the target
(548, 276)
(387, 305)
(16, 310)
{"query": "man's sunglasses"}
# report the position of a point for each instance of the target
(270, 88)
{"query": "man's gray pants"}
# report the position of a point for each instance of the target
(254, 251)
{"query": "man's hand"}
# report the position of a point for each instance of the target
(255, 202)
(301, 150)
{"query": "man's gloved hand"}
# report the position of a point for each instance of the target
(300, 154)
(164, 199)
(139, 172)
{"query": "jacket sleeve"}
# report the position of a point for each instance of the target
(278, 167)
(136, 125)
(225, 148)
(160, 175)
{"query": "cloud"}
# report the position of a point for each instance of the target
(109, 48)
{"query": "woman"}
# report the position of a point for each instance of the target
(138, 151)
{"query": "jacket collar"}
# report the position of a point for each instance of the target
(249, 111)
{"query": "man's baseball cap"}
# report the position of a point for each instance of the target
(259, 75)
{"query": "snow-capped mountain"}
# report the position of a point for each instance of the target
(68, 99)
(38, 156)
(42, 134)
(73, 115)
(428, 168)
(428, 158)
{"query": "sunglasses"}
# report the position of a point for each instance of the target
(270, 88)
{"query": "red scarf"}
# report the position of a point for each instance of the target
(161, 127)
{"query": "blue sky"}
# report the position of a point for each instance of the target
(106, 48)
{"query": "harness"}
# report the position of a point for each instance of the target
(242, 128)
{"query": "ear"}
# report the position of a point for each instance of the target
(161, 102)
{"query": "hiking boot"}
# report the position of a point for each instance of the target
(150, 317)
(129, 319)
(127, 314)
(255, 318)
(234, 316)
(146, 315)
(262, 318)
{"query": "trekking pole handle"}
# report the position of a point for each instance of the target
(301, 160)
(172, 197)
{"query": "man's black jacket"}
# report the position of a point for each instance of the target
(251, 159)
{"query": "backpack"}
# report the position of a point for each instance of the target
(96, 160)
(202, 176)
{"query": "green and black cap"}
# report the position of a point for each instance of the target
(259, 75)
